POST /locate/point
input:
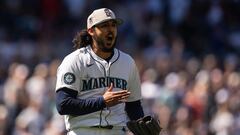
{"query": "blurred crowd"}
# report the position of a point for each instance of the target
(187, 52)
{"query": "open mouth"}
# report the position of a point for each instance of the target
(109, 36)
(109, 39)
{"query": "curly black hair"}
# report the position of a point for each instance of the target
(82, 39)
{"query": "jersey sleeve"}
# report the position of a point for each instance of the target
(68, 74)
(134, 84)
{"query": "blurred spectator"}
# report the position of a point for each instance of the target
(55, 126)
(37, 89)
(223, 120)
(150, 90)
(15, 96)
(30, 121)
(3, 119)
(178, 10)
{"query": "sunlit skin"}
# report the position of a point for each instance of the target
(104, 38)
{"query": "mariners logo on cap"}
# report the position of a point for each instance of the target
(108, 12)
(69, 78)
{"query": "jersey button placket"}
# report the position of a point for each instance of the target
(107, 66)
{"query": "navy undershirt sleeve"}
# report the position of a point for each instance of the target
(134, 110)
(68, 104)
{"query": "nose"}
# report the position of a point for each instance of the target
(111, 29)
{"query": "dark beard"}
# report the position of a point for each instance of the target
(101, 44)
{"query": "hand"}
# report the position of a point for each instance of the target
(112, 98)
(145, 126)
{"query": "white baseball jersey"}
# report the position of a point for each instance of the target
(90, 76)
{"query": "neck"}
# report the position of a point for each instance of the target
(98, 52)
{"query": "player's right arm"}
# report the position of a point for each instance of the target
(68, 104)
(67, 88)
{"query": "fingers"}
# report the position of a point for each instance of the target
(115, 97)
(123, 99)
(121, 94)
(110, 88)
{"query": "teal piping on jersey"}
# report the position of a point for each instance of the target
(105, 75)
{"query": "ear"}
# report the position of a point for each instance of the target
(90, 31)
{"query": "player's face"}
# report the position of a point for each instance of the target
(105, 35)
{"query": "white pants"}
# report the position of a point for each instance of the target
(97, 131)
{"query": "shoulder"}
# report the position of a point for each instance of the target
(126, 57)
(75, 56)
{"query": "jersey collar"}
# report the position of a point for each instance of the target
(96, 57)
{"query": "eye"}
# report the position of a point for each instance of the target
(114, 24)
(103, 25)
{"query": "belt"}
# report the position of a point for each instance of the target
(110, 127)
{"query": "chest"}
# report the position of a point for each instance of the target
(98, 75)
(99, 70)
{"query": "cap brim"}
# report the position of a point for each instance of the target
(118, 21)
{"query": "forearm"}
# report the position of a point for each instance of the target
(68, 104)
(134, 110)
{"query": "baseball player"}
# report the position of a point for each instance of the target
(98, 86)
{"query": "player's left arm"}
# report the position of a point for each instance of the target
(134, 110)
(133, 106)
